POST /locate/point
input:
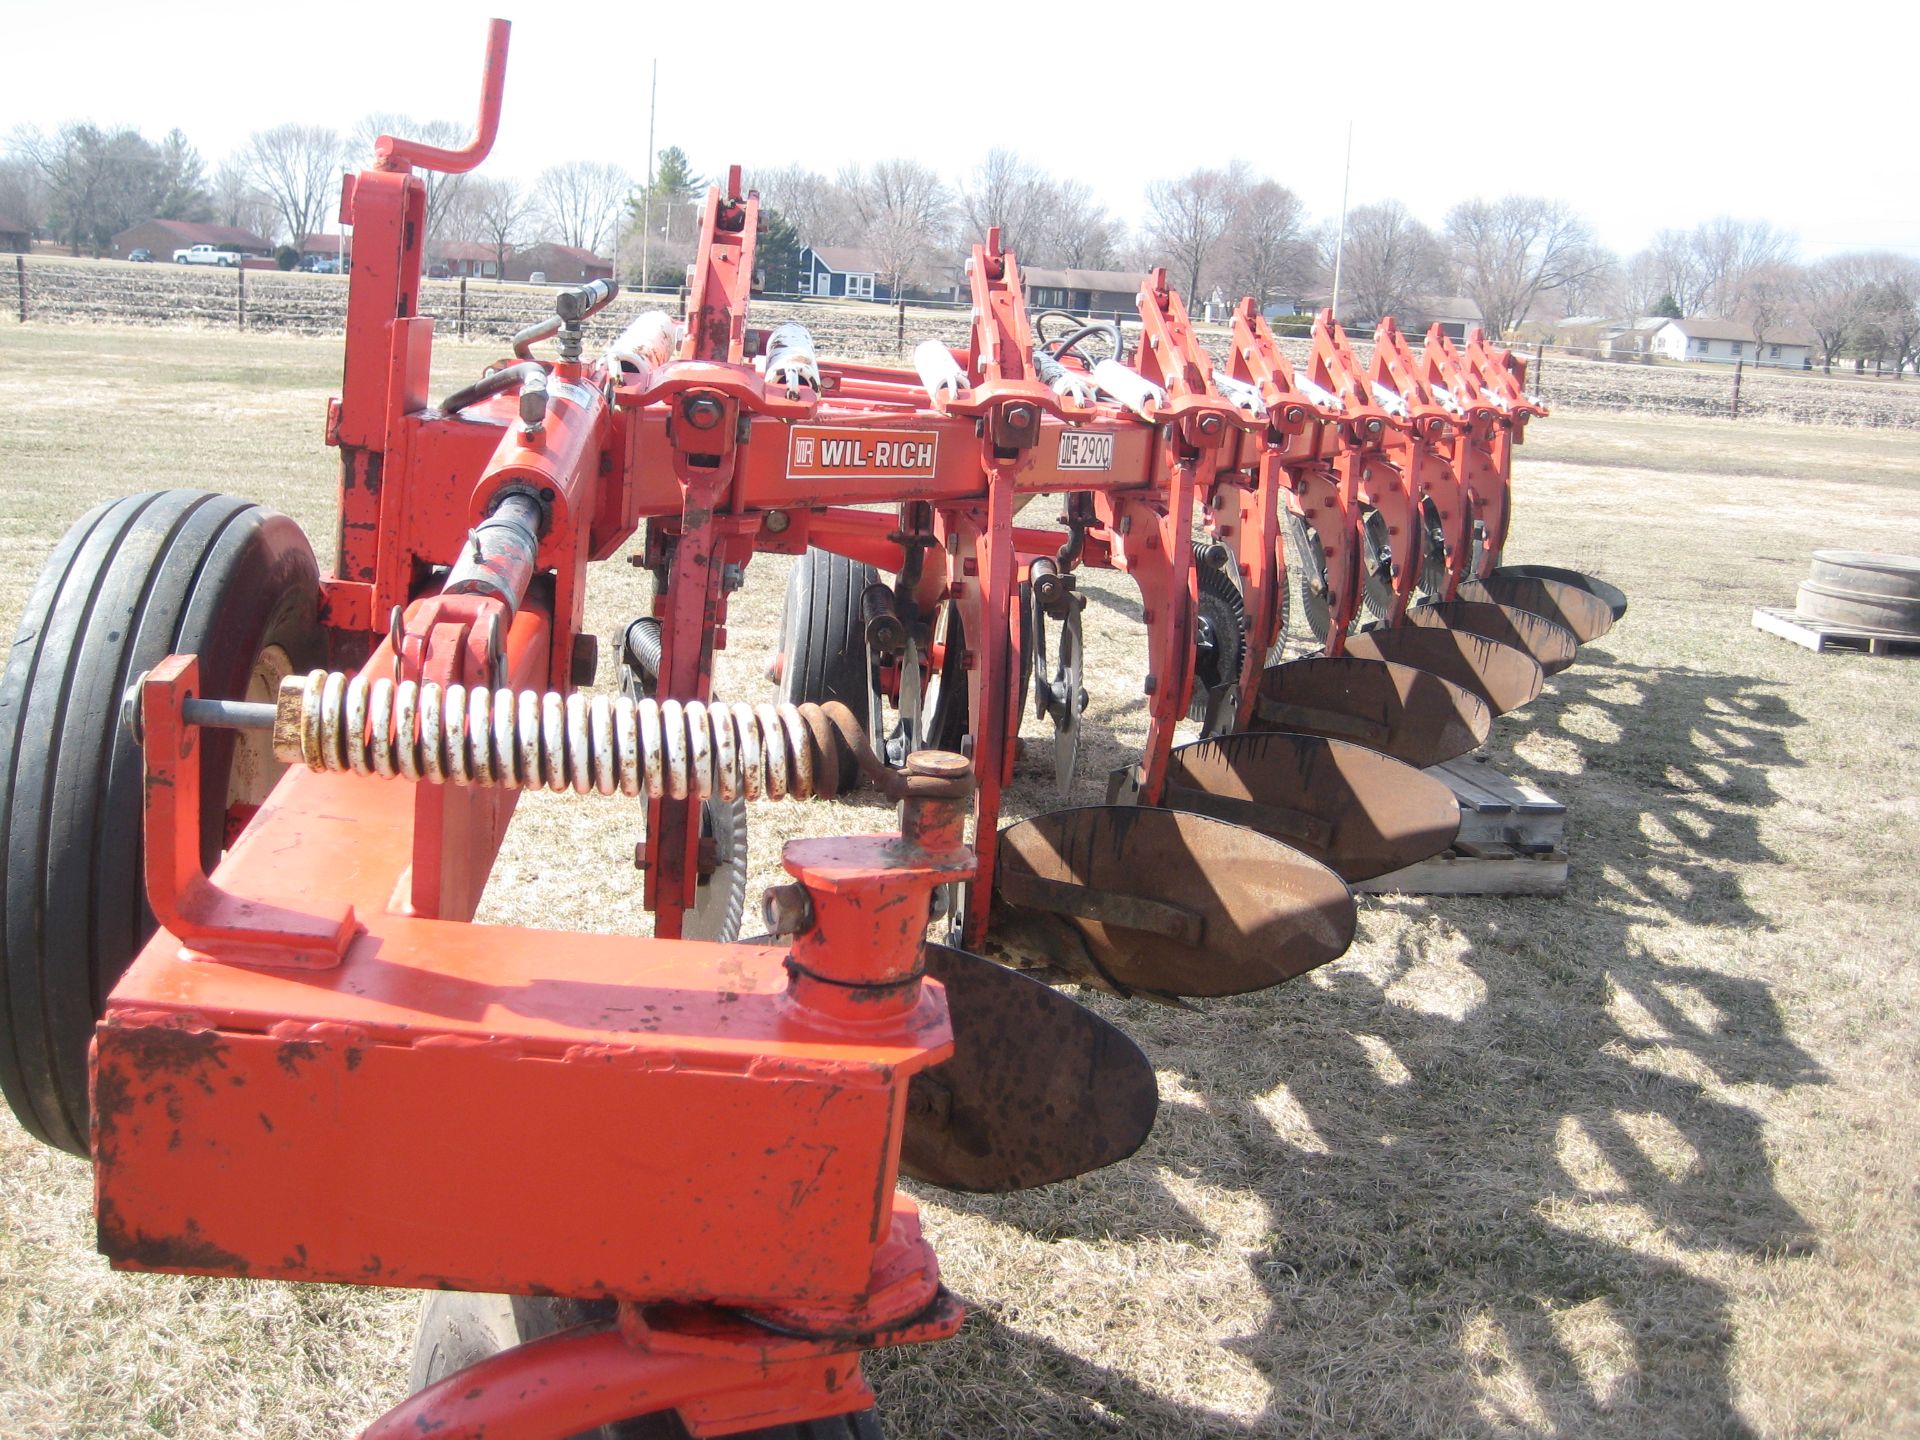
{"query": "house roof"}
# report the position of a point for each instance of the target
(847, 259)
(1119, 282)
(319, 244)
(11, 226)
(188, 232)
(1699, 327)
(467, 250)
(562, 252)
(1457, 309)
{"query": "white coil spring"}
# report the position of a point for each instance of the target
(534, 740)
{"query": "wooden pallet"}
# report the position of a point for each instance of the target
(1820, 635)
(1512, 840)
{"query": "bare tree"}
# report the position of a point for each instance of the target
(904, 212)
(23, 191)
(298, 166)
(1266, 251)
(1186, 221)
(96, 182)
(1074, 230)
(1008, 192)
(1511, 251)
(1669, 267)
(1593, 284)
(497, 213)
(820, 211)
(581, 203)
(1833, 301)
(1769, 299)
(1726, 251)
(443, 190)
(1388, 261)
(237, 201)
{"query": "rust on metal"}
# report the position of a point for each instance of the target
(1359, 812)
(1039, 1088)
(1551, 645)
(1503, 676)
(1269, 912)
(1410, 714)
(1586, 615)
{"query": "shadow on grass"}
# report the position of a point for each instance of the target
(1498, 1156)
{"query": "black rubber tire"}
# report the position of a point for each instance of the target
(1871, 572)
(170, 571)
(824, 639)
(456, 1329)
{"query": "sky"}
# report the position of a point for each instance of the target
(1642, 116)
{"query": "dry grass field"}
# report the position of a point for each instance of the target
(1636, 1161)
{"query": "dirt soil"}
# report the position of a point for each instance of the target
(1634, 1161)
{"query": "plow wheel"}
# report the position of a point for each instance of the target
(1307, 560)
(721, 897)
(1355, 810)
(1613, 595)
(1585, 614)
(1551, 646)
(824, 639)
(1039, 1088)
(1153, 902)
(1220, 643)
(1433, 554)
(172, 571)
(457, 1329)
(1410, 714)
(1059, 689)
(1505, 677)
(1376, 559)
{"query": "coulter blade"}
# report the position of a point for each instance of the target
(1586, 615)
(1039, 1088)
(1614, 597)
(1552, 646)
(1414, 716)
(1139, 900)
(1353, 809)
(1504, 677)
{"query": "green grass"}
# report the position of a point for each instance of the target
(1636, 1161)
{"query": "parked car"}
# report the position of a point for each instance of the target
(439, 272)
(142, 255)
(320, 265)
(538, 277)
(206, 255)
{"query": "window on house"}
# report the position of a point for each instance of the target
(1773, 352)
(1701, 346)
(860, 285)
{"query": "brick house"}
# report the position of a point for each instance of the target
(163, 237)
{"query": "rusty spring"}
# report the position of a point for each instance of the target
(543, 740)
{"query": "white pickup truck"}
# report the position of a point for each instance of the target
(206, 255)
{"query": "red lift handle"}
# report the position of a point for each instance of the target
(392, 153)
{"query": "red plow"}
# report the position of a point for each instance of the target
(653, 1181)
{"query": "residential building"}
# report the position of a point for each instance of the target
(323, 247)
(559, 264)
(1727, 342)
(163, 237)
(15, 235)
(1081, 292)
(842, 270)
(464, 257)
(1454, 314)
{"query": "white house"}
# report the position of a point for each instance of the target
(1727, 341)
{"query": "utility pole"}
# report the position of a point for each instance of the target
(646, 203)
(1340, 241)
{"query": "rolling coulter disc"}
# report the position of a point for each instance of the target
(1220, 638)
(1308, 561)
(1410, 714)
(1503, 676)
(1355, 810)
(1614, 597)
(1039, 1088)
(1586, 615)
(1376, 556)
(1552, 646)
(1156, 902)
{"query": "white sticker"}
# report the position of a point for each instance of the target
(1086, 449)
